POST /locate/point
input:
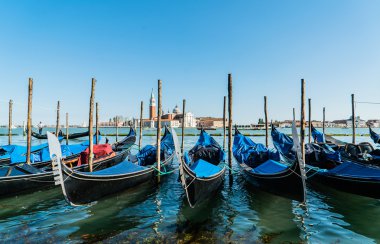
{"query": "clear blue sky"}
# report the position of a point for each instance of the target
(268, 46)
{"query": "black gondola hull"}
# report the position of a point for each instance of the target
(13, 185)
(89, 189)
(363, 187)
(83, 189)
(200, 189)
(286, 184)
(70, 136)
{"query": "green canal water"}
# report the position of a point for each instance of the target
(149, 213)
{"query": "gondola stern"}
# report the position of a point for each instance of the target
(56, 156)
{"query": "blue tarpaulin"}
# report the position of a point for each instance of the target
(319, 137)
(256, 155)
(121, 168)
(7, 150)
(283, 143)
(203, 169)
(374, 136)
(204, 158)
(354, 170)
(270, 167)
(147, 155)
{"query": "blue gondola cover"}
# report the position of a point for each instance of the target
(204, 169)
(354, 170)
(270, 167)
(121, 168)
(319, 137)
(374, 136)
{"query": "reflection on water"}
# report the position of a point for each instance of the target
(150, 212)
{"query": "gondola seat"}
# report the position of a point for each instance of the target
(269, 167)
(204, 169)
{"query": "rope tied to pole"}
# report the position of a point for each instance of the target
(165, 172)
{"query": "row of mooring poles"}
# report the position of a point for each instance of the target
(353, 117)
(230, 113)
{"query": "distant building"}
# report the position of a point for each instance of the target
(340, 123)
(373, 122)
(210, 122)
(170, 119)
(358, 122)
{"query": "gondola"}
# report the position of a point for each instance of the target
(374, 136)
(201, 169)
(19, 178)
(326, 166)
(126, 141)
(363, 152)
(265, 170)
(70, 136)
(79, 186)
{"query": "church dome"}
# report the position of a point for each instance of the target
(176, 110)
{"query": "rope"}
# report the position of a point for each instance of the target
(164, 173)
(369, 103)
(187, 186)
(135, 146)
(316, 169)
(230, 169)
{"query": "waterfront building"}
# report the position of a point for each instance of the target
(210, 122)
(170, 119)
(359, 123)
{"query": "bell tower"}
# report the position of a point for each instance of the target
(152, 107)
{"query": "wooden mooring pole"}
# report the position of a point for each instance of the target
(117, 128)
(230, 122)
(309, 120)
(303, 122)
(10, 122)
(158, 153)
(97, 123)
(67, 128)
(266, 122)
(224, 122)
(29, 120)
(91, 125)
(324, 120)
(353, 119)
(183, 125)
(57, 123)
(141, 123)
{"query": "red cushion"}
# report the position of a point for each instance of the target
(99, 151)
